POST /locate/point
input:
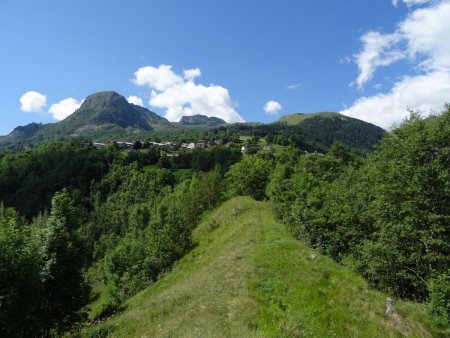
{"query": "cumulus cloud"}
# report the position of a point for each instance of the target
(191, 74)
(180, 96)
(423, 38)
(272, 107)
(426, 93)
(135, 100)
(33, 102)
(159, 78)
(64, 108)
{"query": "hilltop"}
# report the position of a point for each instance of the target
(105, 109)
(249, 277)
(325, 127)
(297, 118)
(201, 120)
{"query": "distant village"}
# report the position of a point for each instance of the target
(201, 144)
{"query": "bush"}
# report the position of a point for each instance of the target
(439, 290)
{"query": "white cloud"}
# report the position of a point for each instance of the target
(33, 102)
(426, 32)
(135, 100)
(191, 74)
(423, 38)
(293, 86)
(272, 107)
(159, 78)
(182, 96)
(426, 93)
(378, 50)
(410, 3)
(64, 108)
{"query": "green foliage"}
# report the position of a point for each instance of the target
(143, 157)
(317, 132)
(164, 162)
(42, 288)
(206, 189)
(205, 160)
(29, 178)
(386, 216)
(439, 289)
(142, 224)
(410, 206)
(122, 221)
(249, 177)
(65, 290)
(21, 254)
(248, 277)
(123, 199)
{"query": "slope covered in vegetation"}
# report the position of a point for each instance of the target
(73, 218)
(249, 277)
(297, 118)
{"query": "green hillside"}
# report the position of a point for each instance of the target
(248, 277)
(322, 129)
(293, 119)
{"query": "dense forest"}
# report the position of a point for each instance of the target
(73, 217)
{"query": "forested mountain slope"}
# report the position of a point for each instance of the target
(325, 128)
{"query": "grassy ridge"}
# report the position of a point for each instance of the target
(249, 278)
(293, 119)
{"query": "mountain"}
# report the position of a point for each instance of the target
(108, 115)
(249, 277)
(21, 133)
(107, 109)
(200, 120)
(102, 115)
(326, 127)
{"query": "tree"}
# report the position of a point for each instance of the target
(137, 145)
(164, 162)
(411, 207)
(249, 177)
(21, 254)
(65, 291)
(387, 216)
(206, 189)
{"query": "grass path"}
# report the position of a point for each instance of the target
(249, 278)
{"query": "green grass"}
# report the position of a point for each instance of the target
(248, 277)
(99, 299)
(293, 119)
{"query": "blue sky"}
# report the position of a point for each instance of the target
(239, 60)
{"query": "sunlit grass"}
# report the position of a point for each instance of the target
(248, 277)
